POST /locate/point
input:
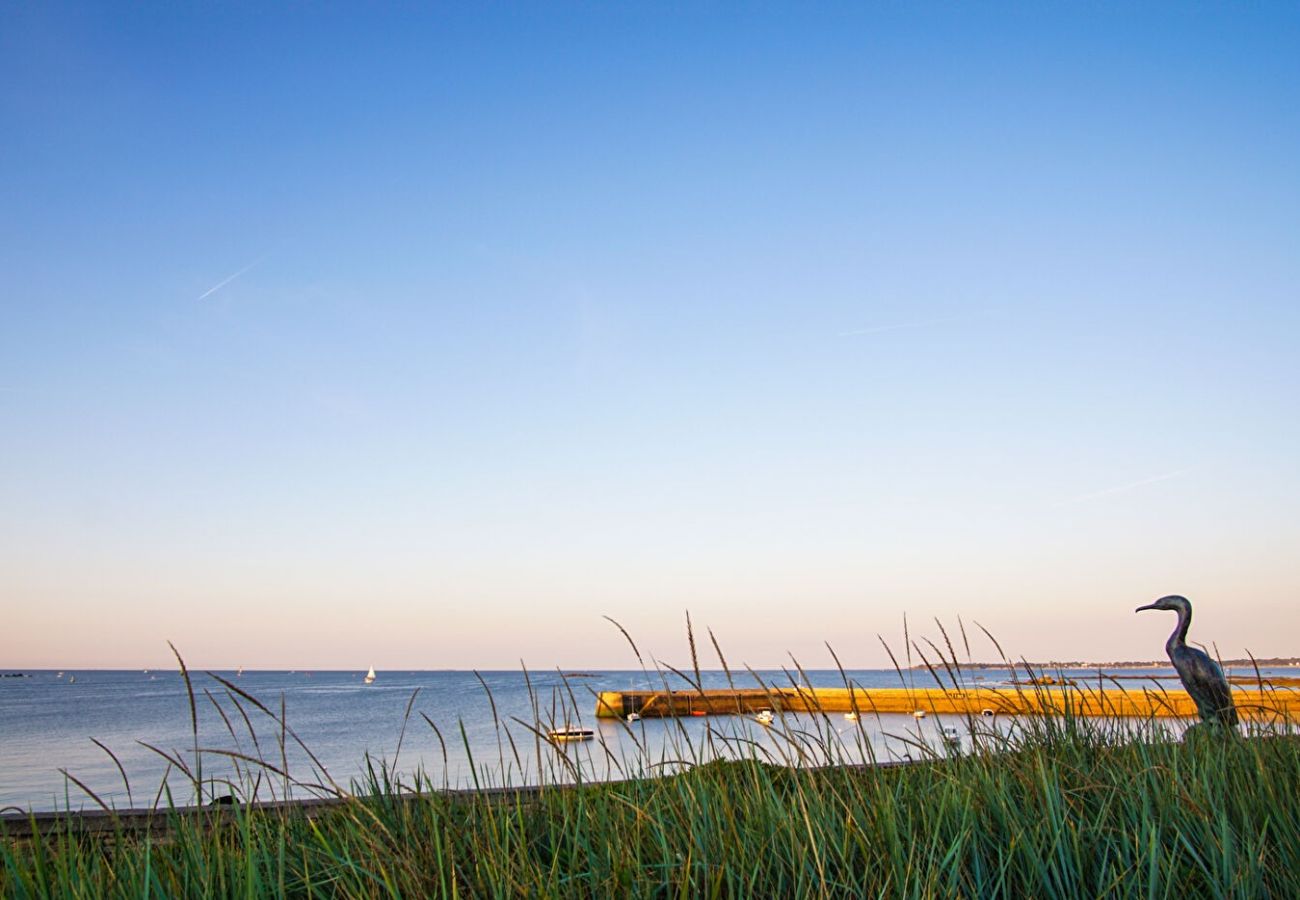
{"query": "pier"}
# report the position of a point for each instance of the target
(1260, 703)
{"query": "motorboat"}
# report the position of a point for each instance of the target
(571, 734)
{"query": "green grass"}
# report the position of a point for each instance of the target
(1069, 812)
(1062, 807)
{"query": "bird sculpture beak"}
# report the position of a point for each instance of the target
(1148, 606)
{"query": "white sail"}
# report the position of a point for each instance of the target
(370, 676)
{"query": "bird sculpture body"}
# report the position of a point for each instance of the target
(1200, 674)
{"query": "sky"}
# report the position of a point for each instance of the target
(429, 336)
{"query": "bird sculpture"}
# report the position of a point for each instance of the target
(1200, 675)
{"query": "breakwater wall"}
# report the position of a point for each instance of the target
(1259, 703)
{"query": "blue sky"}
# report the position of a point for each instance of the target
(427, 337)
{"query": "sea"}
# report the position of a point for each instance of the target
(127, 739)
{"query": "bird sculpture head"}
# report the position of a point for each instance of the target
(1172, 602)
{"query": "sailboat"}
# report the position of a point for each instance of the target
(370, 676)
(240, 673)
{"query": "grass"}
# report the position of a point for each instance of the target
(1063, 806)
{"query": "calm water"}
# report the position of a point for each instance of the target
(47, 722)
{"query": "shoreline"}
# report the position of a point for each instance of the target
(99, 822)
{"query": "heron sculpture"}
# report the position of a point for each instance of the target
(1199, 674)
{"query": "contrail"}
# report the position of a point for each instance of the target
(225, 281)
(918, 324)
(1120, 488)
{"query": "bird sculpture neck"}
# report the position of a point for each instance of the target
(1179, 637)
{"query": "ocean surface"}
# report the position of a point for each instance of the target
(464, 729)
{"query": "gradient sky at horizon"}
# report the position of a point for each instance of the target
(337, 335)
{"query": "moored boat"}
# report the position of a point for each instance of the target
(571, 734)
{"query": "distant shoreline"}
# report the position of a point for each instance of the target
(1271, 663)
(1073, 665)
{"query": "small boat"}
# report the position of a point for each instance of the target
(633, 717)
(919, 714)
(240, 672)
(571, 734)
(950, 734)
(764, 717)
(370, 676)
(72, 679)
(851, 716)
